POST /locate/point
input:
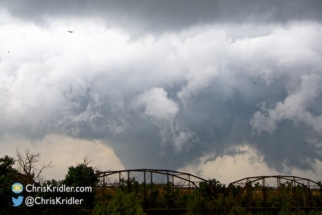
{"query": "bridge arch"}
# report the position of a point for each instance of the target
(149, 180)
(257, 193)
(274, 191)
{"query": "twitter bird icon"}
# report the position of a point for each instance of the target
(17, 201)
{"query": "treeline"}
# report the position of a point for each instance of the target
(25, 169)
(132, 197)
(213, 198)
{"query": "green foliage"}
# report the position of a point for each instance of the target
(121, 204)
(237, 211)
(286, 208)
(285, 211)
(200, 205)
(209, 198)
(314, 212)
(235, 190)
(82, 175)
(129, 185)
(7, 178)
(6, 166)
(320, 192)
(197, 204)
(53, 209)
(211, 188)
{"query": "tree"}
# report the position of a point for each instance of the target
(82, 175)
(52, 209)
(121, 204)
(28, 166)
(7, 178)
(6, 165)
(6, 168)
(197, 204)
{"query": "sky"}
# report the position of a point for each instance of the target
(219, 89)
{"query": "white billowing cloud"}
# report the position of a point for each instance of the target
(262, 123)
(286, 51)
(63, 152)
(197, 80)
(59, 67)
(201, 57)
(157, 105)
(162, 112)
(228, 168)
(295, 107)
(181, 138)
(85, 84)
(288, 46)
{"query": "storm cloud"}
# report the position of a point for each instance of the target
(198, 80)
(142, 17)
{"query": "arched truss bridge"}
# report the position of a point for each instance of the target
(253, 193)
(262, 192)
(150, 181)
(150, 176)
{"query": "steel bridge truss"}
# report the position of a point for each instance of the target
(274, 191)
(253, 193)
(149, 180)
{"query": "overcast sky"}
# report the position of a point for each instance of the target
(222, 89)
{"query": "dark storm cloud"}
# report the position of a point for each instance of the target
(292, 145)
(219, 124)
(164, 101)
(158, 16)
